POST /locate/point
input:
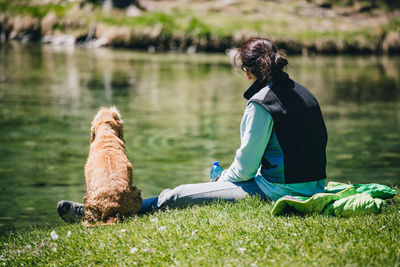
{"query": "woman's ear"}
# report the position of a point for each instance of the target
(249, 75)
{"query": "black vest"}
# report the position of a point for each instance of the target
(299, 127)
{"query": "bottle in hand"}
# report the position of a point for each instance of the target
(216, 171)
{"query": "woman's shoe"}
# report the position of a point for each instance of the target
(70, 211)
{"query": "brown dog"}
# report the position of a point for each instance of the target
(110, 195)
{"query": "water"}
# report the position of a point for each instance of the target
(181, 112)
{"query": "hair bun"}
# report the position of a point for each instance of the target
(260, 57)
(280, 62)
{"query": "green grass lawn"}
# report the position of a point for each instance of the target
(222, 234)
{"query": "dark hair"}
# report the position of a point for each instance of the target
(261, 58)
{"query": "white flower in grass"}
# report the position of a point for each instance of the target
(162, 228)
(148, 250)
(242, 250)
(69, 233)
(133, 250)
(123, 230)
(195, 232)
(154, 220)
(383, 227)
(54, 249)
(54, 235)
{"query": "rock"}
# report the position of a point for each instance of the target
(96, 43)
(59, 40)
(133, 11)
(191, 49)
(107, 5)
(151, 49)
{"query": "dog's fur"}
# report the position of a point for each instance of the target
(110, 195)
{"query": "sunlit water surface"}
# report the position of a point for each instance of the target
(181, 112)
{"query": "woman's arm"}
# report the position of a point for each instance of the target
(256, 129)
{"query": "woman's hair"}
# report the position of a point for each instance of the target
(261, 58)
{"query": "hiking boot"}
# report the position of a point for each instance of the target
(70, 211)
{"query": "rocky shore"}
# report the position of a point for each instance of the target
(82, 25)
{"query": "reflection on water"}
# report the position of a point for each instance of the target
(180, 112)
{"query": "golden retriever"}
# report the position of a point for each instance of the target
(109, 192)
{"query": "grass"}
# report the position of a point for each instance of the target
(222, 234)
(216, 26)
(19, 7)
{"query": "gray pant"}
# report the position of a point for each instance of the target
(190, 194)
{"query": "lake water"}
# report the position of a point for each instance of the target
(181, 112)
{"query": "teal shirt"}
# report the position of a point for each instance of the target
(256, 134)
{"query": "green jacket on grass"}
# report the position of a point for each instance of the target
(338, 199)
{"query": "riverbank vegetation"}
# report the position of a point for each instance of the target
(236, 234)
(213, 26)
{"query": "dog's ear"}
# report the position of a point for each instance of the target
(121, 134)
(92, 134)
(117, 117)
(120, 124)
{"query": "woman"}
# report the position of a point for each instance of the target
(283, 141)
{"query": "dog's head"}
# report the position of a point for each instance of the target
(111, 116)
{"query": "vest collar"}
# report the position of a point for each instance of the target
(255, 88)
(282, 81)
